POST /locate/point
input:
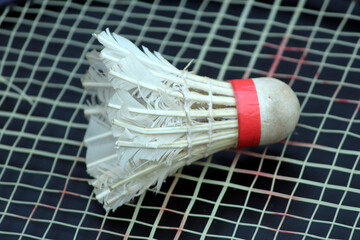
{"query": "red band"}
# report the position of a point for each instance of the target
(248, 110)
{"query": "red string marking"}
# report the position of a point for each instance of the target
(285, 231)
(292, 76)
(278, 55)
(69, 193)
(48, 206)
(297, 70)
(343, 100)
(32, 213)
(286, 48)
(296, 60)
(247, 105)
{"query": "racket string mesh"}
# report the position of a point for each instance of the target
(306, 187)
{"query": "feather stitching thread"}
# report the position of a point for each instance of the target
(149, 119)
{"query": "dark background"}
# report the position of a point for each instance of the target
(306, 187)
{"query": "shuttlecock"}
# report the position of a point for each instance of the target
(150, 118)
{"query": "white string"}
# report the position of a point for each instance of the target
(187, 106)
(210, 119)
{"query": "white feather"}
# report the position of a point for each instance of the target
(130, 160)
